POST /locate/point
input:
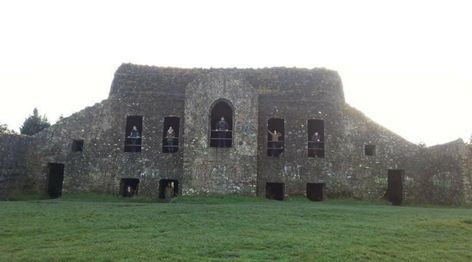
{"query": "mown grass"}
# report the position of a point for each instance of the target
(109, 228)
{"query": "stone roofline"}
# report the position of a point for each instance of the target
(131, 78)
(129, 68)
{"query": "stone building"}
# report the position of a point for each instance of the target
(324, 147)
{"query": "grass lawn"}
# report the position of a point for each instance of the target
(230, 228)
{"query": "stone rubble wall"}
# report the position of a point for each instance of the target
(14, 152)
(467, 177)
(440, 174)
(211, 170)
(367, 175)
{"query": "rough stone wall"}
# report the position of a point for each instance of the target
(432, 175)
(82, 171)
(313, 95)
(367, 175)
(103, 162)
(211, 170)
(14, 150)
(467, 167)
(440, 174)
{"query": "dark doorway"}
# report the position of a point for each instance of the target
(170, 138)
(133, 137)
(55, 179)
(395, 186)
(275, 137)
(275, 191)
(221, 134)
(129, 187)
(316, 144)
(315, 191)
(163, 183)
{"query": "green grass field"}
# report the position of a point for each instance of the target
(91, 228)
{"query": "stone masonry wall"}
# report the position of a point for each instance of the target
(13, 163)
(439, 174)
(467, 176)
(210, 170)
(103, 162)
(367, 175)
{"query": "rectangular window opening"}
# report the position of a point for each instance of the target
(369, 150)
(77, 145)
(316, 142)
(170, 138)
(133, 133)
(275, 137)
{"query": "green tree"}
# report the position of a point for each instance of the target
(34, 123)
(4, 129)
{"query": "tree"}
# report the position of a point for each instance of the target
(34, 123)
(4, 129)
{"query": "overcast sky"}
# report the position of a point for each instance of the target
(405, 64)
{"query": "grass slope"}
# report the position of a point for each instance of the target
(235, 228)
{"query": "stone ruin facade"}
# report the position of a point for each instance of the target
(352, 156)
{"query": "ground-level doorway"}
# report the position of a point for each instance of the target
(129, 187)
(168, 188)
(395, 186)
(275, 191)
(315, 191)
(55, 179)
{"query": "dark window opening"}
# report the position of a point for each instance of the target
(77, 145)
(275, 137)
(129, 187)
(55, 179)
(316, 142)
(275, 191)
(395, 186)
(133, 133)
(168, 188)
(315, 191)
(170, 140)
(369, 150)
(221, 124)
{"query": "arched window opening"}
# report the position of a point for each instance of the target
(275, 137)
(316, 145)
(221, 124)
(170, 138)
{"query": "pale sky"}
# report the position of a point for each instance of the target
(405, 64)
